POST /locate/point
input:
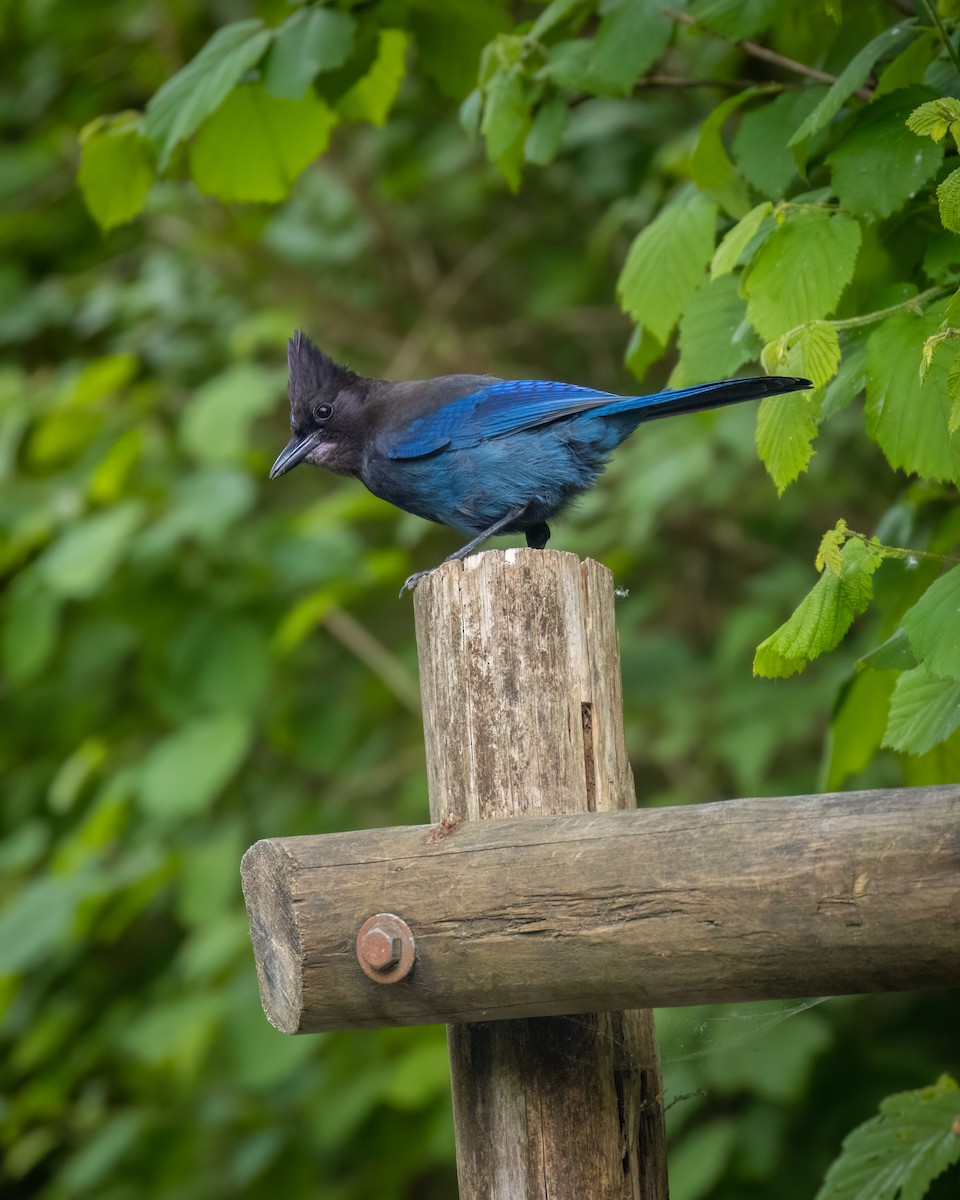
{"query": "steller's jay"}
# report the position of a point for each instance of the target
(474, 452)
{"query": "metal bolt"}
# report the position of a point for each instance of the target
(379, 948)
(385, 948)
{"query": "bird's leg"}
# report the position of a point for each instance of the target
(538, 535)
(465, 551)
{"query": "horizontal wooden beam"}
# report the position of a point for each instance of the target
(537, 916)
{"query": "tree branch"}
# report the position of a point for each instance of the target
(942, 34)
(771, 56)
(675, 81)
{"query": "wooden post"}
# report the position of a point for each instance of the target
(520, 681)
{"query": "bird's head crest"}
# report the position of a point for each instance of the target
(312, 374)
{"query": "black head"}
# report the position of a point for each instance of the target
(324, 399)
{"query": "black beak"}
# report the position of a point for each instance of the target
(295, 451)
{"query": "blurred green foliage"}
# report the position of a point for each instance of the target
(193, 659)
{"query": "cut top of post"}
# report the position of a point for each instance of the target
(520, 685)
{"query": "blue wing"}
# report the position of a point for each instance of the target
(514, 405)
(501, 408)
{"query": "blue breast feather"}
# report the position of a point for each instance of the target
(510, 407)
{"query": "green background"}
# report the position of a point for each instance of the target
(194, 658)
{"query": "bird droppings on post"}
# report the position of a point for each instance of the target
(447, 826)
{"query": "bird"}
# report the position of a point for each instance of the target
(477, 453)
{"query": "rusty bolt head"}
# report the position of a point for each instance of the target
(379, 949)
(385, 948)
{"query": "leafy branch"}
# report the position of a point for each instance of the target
(755, 50)
(776, 352)
(944, 37)
(828, 555)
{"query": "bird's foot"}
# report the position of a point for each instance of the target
(410, 583)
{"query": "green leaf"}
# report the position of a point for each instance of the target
(710, 165)
(203, 504)
(813, 353)
(569, 65)
(829, 555)
(470, 113)
(857, 727)
(102, 377)
(948, 197)
(933, 626)
(823, 617)
(906, 418)
(941, 258)
(951, 314)
(879, 165)
(450, 38)
(819, 349)
(909, 65)
(372, 97)
(898, 1154)
(736, 240)
(280, 139)
(74, 773)
(631, 37)
(38, 921)
(848, 383)
(422, 1074)
(546, 133)
(928, 353)
(506, 50)
(30, 630)
(184, 102)
(895, 654)
(715, 339)
(935, 118)
(116, 170)
(787, 427)
(184, 773)
(643, 350)
(232, 667)
(760, 147)
(953, 395)
(701, 1159)
(939, 765)
(87, 1170)
(735, 19)
(311, 41)
(174, 1032)
(924, 710)
(84, 558)
(800, 271)
(333, 84)
(507, 121)
(216, 426)
(666, 262)
(555, 14)
(854, 75)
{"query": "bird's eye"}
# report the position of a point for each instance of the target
(322, 412)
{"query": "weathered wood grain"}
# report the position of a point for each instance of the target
(748, 899)
(520, 686)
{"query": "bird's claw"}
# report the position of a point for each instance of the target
(410, 583)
